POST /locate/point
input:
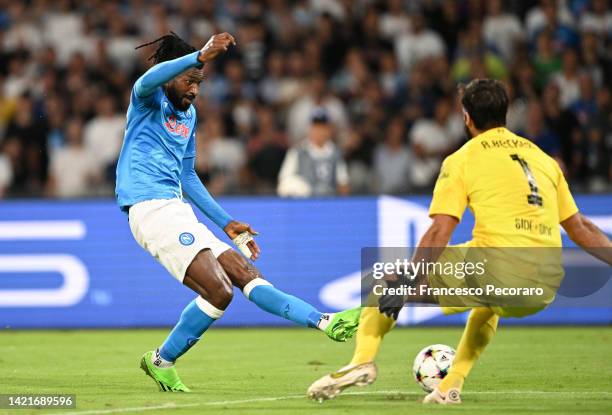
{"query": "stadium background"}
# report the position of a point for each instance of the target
(386, 72)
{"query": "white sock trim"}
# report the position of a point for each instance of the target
(208, 309)
(252, 284)
(159, 361)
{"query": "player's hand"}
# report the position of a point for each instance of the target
(391, 305)
(216, 45)
(235, 228)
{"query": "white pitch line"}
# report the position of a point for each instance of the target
(132, 409)
(288, 397)
(252, 400)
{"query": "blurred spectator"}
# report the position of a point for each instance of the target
(391, 79)
(563, 123)
(594, 61)
(447, 20)
(597, 160)
(65, 30)
(585, 107)
(317, 95)
(433, 139)
(517, 110)
(394, 21)
(475, 59)
(546, 61)
(104, 133)
(6, 174)
(7, 107)
(316, 167)
(567, 78)
(23, 32)
(276, 88)
(537, 131)
(501, 30)
(220, 157)
(548, 12)
(19, 76)
(358, 153)
(28, 131)
(418, 44)
(353, 75)
(55, 112)
(597, 148)
(253, 46)
(73, 170)
(393, 160)
(266, 151)
(598, 19)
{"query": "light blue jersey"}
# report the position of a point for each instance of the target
(157, 139)
(158, 153)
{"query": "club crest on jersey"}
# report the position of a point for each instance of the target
(176, 128)
(186, 238)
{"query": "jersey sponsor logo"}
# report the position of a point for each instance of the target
(174, 127)
(186, 238)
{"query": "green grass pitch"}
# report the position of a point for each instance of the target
(266, 371)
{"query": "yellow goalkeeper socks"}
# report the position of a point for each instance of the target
(373, 325)
(479, 330)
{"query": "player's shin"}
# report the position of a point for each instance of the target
(275, 301)
(373, 325)
(195, 319)
(337, 326)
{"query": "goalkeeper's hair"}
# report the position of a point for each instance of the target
(486, 101)
(169, 47)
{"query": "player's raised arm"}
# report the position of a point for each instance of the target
(163, 72)
(588, 236)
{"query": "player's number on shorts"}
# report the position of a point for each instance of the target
(533, 198)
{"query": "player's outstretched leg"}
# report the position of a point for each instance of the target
(206, 277)
(479, 330)
(362, 371)
(338, 326)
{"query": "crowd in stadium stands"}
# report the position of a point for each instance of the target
(346, 96)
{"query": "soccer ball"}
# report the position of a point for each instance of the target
(431, 365)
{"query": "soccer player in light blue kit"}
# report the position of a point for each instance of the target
(155, 167)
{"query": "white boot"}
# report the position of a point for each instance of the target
(330, 386)
(452, 397)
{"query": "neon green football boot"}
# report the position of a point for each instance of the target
(342, 325)
(166, 378)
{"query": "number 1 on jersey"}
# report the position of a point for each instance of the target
(533, 198)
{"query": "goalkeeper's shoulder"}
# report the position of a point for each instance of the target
(458, 157)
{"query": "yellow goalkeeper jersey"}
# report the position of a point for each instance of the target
(517, 193)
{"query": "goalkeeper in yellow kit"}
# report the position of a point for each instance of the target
(518, 196)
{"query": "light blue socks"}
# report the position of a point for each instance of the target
(195, 319)
(277, 302)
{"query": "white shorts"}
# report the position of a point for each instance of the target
(169, 230)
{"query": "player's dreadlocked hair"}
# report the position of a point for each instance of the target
(170, 47)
